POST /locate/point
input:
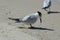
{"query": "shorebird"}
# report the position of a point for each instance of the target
(29, 19)
(46, 4)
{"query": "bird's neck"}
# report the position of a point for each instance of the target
(36, 14)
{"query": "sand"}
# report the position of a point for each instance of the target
(49, 29)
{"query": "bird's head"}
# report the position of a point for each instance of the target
(40, 15)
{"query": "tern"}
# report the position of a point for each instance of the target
(46, 4)
(29, 19)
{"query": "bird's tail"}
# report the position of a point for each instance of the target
(15, 19)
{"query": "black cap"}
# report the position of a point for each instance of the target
(39, 13)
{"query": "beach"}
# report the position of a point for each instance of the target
(49, 29)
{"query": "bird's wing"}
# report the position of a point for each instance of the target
(28, 17)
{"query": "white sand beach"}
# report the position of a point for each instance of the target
(49, 29)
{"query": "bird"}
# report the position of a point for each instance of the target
(29, 19)
(46, 4)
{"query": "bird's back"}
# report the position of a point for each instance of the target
(30, 18)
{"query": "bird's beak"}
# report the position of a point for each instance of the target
(40, 16)
(40, 20)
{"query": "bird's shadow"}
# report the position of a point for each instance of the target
(53, 12)
(37, 28)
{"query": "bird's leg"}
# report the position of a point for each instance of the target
(45, 9)
(49, 9)
(31, 26)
